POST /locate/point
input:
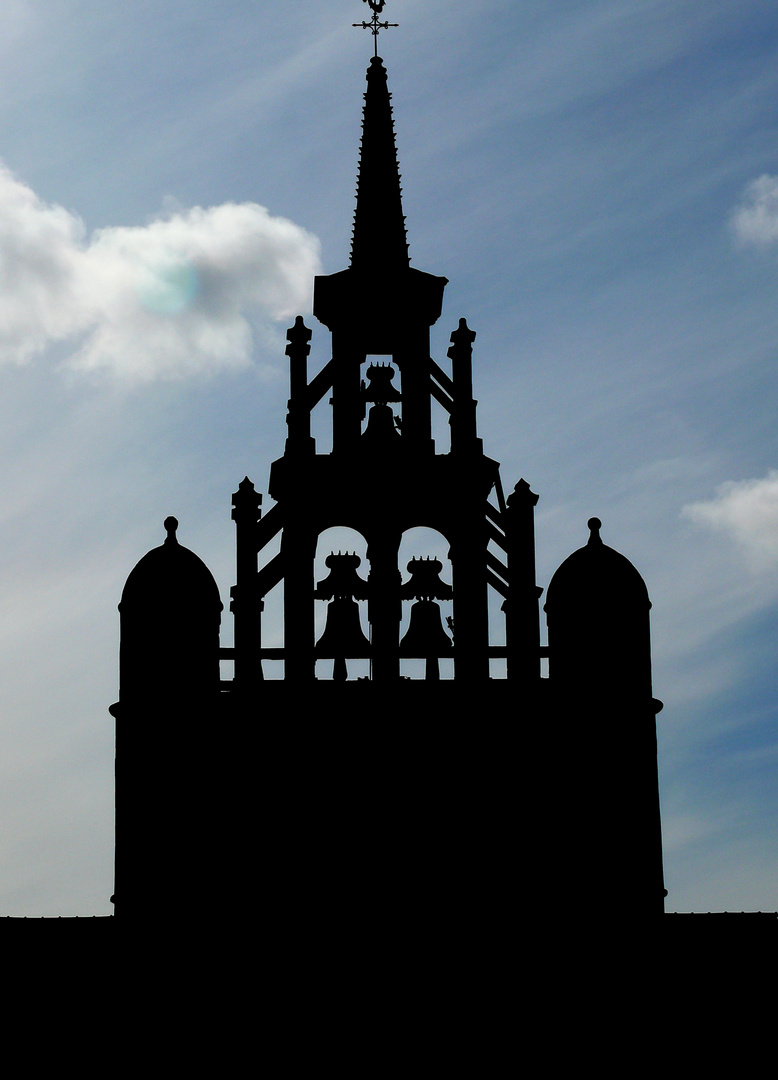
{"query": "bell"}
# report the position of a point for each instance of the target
(381, 389)
(425, 583)
(342, 635)
(426, 637)
(380, 428)
(343, 579)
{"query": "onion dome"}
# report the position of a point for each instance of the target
(598, 577)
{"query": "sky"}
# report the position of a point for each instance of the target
(598, 180)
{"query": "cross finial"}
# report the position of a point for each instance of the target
(375, 24)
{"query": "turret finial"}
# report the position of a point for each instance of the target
(171, 524)
(594, 525)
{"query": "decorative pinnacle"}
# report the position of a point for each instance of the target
(461, 338)
(376, 6)
(170, 527)
(594, 526)
(522, 495)
(298, 337)
(246, 502)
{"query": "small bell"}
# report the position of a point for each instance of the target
(381, 430)
(381, 390)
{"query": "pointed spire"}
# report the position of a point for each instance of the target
(379, 243)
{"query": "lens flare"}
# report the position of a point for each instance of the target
(169, 289)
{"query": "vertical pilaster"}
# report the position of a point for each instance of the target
(471, 609)
(246, 604)
(413, 362)
(463, 426)
(522, 617)
(384, 605)
(298, 548)
(346, 401)
(298, 418)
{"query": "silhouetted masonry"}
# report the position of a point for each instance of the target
(414, 793)
(409, 767)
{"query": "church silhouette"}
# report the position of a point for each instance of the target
(423, 763)
(388, 782)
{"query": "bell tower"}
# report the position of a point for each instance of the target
(385, 475)
(398, 801)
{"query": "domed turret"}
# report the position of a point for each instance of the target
(597, 573)
(606, 764)
(173, 571)
(170, 616)
(169, 686)
(597, 610)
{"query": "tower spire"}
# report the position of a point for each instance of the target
(379, 241)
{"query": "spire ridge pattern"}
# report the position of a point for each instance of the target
(379, 240)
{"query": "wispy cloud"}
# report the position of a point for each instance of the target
(755, 219)
(747, 512)
(174, 297)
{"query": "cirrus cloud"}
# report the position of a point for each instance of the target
(177, 296)
(747, 512)
(755, 219)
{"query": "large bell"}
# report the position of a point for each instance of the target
(425, 583)
(342, 636)
(426, 637)
(343, 579)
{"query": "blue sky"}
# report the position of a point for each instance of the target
(599, 181)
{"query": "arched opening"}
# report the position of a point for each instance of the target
(340, 617)
(382, 401)
(428, 589)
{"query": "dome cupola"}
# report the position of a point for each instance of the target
(598, 577)
(170, 616)
(597, 609)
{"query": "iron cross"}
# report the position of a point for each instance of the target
(376, 6)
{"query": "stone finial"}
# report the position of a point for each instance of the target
(594, 525)
(171, 524)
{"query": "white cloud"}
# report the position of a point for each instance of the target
(755, 219)
(170, 298)
(747, 512)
